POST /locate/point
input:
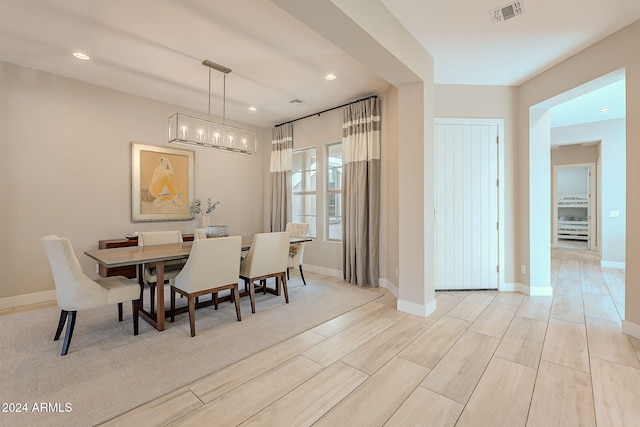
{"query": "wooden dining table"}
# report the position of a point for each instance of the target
(158, 255)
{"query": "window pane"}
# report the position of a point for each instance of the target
(334, 219)
(311, 220)
(334, 167)
(304, 210)
(304, 160)
(303, 181)
(334, 178)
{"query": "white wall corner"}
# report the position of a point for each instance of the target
(26, 299)
(632, 329)
(384, 283)
(416, 309)
(613, 264)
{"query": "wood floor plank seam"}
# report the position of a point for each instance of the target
(533, 326)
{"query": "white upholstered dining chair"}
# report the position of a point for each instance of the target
(267, 258)
(296, 250)
(76, 291)
(212, 266)
(147, 273)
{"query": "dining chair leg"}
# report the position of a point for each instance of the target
(63, 319)
(283, 278)
(301, 275)
(192, 314)
(252, 296)
(71, 323)
(214, 297)
(152, 297)
(135, 311)
(119, 312)
(263, 283)
(173, 305)
(288, 273)
(236, 299)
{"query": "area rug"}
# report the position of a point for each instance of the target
(109, 371)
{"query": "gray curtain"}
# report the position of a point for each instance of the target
(361, 192)
(281, 159)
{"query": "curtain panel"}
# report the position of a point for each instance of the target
(361, 192)
(280, 171)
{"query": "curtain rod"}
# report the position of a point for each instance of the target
(329, 109)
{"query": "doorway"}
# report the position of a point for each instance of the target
(574, 213)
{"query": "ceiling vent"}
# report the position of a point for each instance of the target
(296, 101)
(507, 11)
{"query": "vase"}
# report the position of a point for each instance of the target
(205, 221)
(217, 231)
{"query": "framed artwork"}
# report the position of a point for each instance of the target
(161, 183)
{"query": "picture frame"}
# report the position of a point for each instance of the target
(162, 184)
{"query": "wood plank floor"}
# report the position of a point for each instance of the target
(482, 359)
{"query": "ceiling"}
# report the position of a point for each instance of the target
(154, 48)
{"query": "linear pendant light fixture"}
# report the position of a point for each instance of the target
(206, 133)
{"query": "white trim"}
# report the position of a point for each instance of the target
(630, 328)
(416, 309)
(26, 299)
(510, 287)
(613, 264)
(540, 291)
(384, 283)
(323, 270)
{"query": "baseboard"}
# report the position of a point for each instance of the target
(322, 270)
(534, 291)
(632, 329)
(510, 287)
(540, 291)
(613, 264)
(416, 309)
(384, 283)
(26, 299)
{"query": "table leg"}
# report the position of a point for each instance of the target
(160, 296)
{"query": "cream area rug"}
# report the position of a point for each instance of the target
(109, 371)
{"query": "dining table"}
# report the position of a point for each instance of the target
(158, 255)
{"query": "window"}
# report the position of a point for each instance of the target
(303, 188)
(334, 191)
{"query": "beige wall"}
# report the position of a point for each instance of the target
(66, 170)
(490, 102)
(613, 53)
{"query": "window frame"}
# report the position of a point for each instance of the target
(313, 231)
(328, 192)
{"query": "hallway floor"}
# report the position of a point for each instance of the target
(481, 359)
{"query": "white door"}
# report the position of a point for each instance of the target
(466, 204)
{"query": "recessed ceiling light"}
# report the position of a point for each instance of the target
(252, 108)
(604, 109)
(81, 55)
(330, 77)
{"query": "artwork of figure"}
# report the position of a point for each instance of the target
(163, 191)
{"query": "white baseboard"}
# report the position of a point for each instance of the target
(630, 328)
(540, 291)
(384, 283)
(416, 309)
(322, 270)
(613, 264)
(26, 299)
(510, 287)
(534, 291)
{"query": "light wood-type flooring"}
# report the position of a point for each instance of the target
(481, 359)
